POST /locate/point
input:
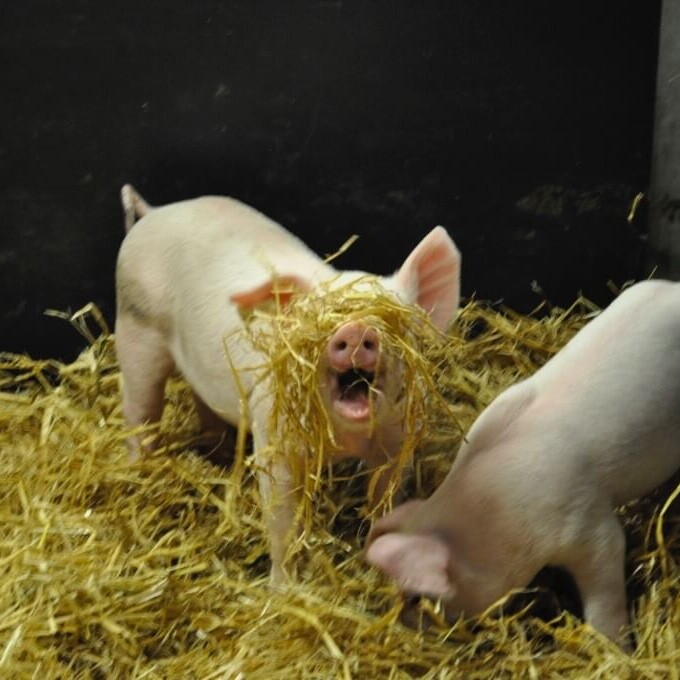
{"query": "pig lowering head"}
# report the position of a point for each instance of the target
(421, 562)
(185, 275)
(538, 476)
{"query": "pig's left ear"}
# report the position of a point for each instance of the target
(431, 276)
(282, 287)
(418, 563)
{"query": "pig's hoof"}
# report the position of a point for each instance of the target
(277, 583)
(279, 580)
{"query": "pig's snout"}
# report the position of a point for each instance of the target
(354, 346)
(353, 354)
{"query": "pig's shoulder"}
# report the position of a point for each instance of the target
(501, 414)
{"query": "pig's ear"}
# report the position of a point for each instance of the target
(392, 521)
(283, 287)
(418, 563)
(431, 276)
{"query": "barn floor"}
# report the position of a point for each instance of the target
(158, 569)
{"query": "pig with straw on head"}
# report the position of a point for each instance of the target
(185, 274)
(537, 478)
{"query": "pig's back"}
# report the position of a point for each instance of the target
(206, 243)
(632, 337)
(177, 270)
(612, 396)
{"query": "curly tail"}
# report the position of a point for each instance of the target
(134, 206)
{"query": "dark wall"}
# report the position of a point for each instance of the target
(523, 127)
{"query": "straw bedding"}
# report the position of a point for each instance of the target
(158, 569)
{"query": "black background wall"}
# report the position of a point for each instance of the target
(523, 127)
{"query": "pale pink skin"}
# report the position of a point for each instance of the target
(541, 470)
(183, 272)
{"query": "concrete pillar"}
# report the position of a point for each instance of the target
(664, 215)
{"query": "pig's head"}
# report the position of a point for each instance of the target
(360, 379)
(363, 381)
(420, 561)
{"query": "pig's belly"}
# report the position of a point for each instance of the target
(205, 367)
(640, 468)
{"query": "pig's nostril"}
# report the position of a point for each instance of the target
(341, 346)
(369, 345)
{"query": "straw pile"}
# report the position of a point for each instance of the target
(159, 569)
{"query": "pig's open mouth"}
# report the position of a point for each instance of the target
(351, 393)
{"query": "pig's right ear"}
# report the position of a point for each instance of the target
(418, 563)
(282, 287)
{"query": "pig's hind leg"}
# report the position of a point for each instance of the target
(597, 563)
(145, 364)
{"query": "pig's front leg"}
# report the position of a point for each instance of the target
(279, 500)
(597, 565)
(278, 493)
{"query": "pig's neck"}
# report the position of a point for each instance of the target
(478, 515)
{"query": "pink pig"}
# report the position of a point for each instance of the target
(184, 270)
(537, 479)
